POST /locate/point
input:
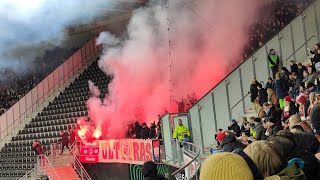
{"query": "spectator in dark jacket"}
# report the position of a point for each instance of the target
(254, 90)
(315, 119)
(145, 131)
(150, 172)
(235, 127)
(297, 81)
(152, 131)
(137, 129)
(259, 129)
(291, 146)
(280, 87)
(273, 128)
(271, 112)
(231, 143)
(262, 95)
(269, 83)
(64, 141)
(301, 68)
(293, 66)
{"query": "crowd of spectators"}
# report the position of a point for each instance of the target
(143, 131)
(282, 139)
(274, 16)
(14, 85)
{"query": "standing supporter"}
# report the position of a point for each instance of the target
(231, 143)
(285, 74)
(259, 130)
(313, 99)
(181, 133)
(72, 133)
(266, 158)
(64, 141)
(137, 129)
(293, 67)
(297, 81)
(153, 131)
(159, 133)
(273, 60)
(262, 95)
(280, 87)
(130, 131)
(235, 127)
(301, 69)
(269, 84)
(37, 147)
(254, 92)
(145, 131)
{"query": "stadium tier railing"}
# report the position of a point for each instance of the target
(30, 103)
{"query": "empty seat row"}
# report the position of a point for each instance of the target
(63, 111)
(18, 160)
(23, 148)
(61, 106)
(40, 126)
(17, 166)
(17, 154)
(39, 135)
(30, 142)
(65, 101)
(13, 175)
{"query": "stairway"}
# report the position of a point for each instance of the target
(62, 167)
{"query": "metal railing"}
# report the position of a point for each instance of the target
(187, 157)
(28, 175)
(40, 93)
(303, 45)
(55, 149)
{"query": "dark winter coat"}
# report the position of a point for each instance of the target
(305, 144)
(152, 132)
(145, 132)
(137, 130)
(236, 128)
(231, 143)
(260, 132)
(263, 96)
(254, 91)
(274, 114)
(296, 83)
(300, 71)
(294, 68)
(274, 129)
(269, 85)
(315, 119)
(280, 88)
(65, 138)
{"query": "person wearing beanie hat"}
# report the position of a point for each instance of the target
(259, 130)
(289, 109)
(315, 119)
(225, 166)
(301, 100)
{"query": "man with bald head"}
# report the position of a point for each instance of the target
(294, 120)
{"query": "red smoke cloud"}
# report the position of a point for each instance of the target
(207, 36)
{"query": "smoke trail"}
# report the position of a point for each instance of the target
(29, 27)
(207, 36)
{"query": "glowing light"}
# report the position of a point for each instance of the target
(97, 132)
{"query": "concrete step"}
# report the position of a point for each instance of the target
(61, 160)
(64, 173)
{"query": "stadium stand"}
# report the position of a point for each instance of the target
(17, 157)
